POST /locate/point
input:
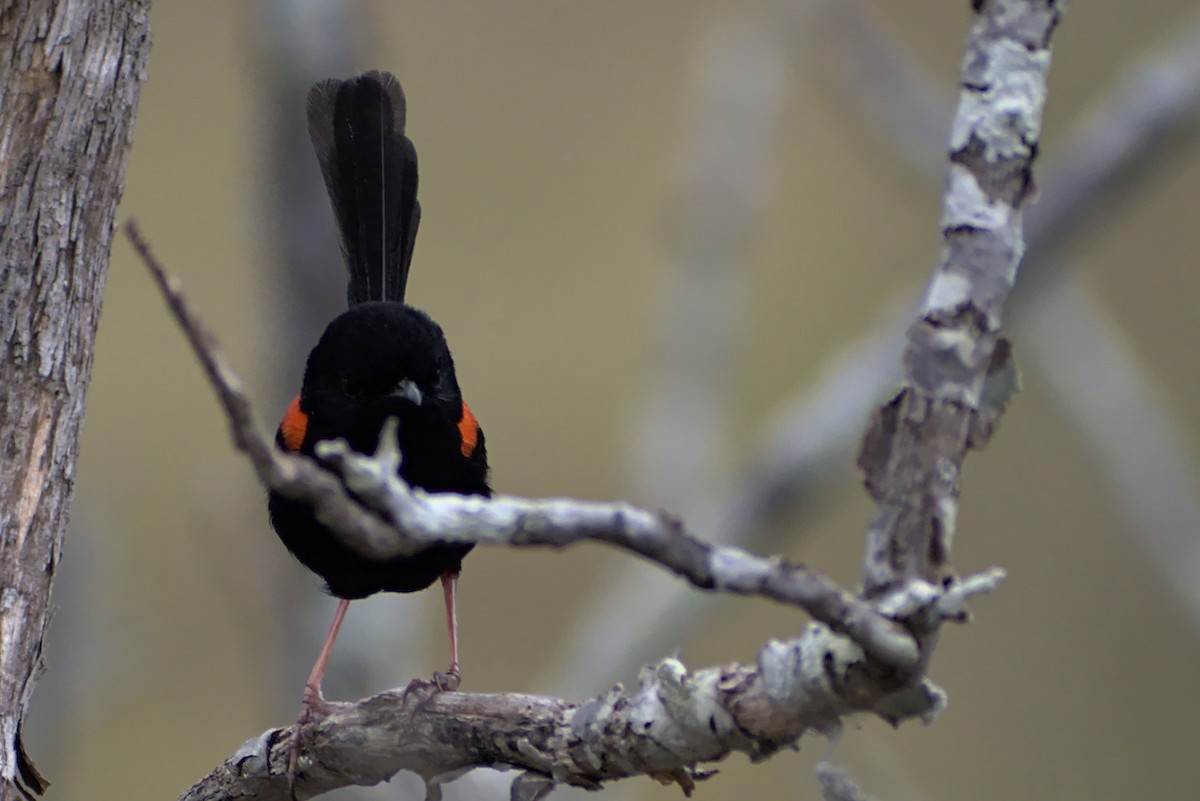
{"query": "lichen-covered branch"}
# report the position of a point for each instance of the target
(1144, 123)
(958, 370)
(665, 728)
(423, 518)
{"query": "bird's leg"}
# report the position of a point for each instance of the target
(453, 675)
(312, 687)
(448, 681)
(314, 703)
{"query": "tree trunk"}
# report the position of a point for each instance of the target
(70, 76)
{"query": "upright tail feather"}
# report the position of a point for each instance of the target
(370, 170)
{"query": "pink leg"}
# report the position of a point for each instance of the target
(449, 591)
(313, 702)
(312, 688)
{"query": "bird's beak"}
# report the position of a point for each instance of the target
(408, 390)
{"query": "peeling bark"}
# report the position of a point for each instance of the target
(673, 721)
(958, 369)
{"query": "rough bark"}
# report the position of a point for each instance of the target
(673, 719)
(71, 75)
(958, 369)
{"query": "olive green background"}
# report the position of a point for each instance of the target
(550, 137)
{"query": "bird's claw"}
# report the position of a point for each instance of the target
(448, 682)
(312, 708)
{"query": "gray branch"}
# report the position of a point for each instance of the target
(673, 720)
(1146, 121)
(1143, 124)
(958, 369)
(422, 518)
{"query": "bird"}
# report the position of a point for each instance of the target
(381, 359)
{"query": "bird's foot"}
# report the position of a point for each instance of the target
(314, 707)
(446, 682)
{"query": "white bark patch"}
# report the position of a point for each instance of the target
(35, 478)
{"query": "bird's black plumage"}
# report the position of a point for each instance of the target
(350, 389)
(381, 358)
(370, 170)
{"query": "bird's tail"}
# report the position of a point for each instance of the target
(370, 170)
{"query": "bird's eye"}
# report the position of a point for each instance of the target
(352, 387)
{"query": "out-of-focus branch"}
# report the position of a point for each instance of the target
(874, 74)
(679, 436)
(1121, 414)
(301, 43)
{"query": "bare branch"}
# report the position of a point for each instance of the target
(673, 721)
(959, 377)
(1148, 118)
(1144, 123)
(425, 518)
(958, 369)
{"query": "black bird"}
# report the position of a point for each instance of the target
(380, 359)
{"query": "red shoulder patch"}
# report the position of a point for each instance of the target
(468, 430)
(294, 426)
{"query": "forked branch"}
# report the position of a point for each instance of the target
(865, 653)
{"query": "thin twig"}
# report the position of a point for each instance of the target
(426, 518)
